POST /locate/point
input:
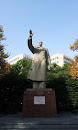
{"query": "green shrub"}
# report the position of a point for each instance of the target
(13, 85)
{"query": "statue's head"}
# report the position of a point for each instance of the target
(39, 44)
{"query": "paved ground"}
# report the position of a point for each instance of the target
(64, 121)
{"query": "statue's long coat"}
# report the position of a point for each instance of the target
(40, 63)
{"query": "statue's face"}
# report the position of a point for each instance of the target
(39, 44)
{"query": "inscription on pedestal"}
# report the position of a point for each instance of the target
(39, 99)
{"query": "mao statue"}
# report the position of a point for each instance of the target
(40, 64)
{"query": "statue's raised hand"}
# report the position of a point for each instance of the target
(30, 34)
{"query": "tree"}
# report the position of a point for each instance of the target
(73, 67)
(4, 66)
(21, 68)
(12, 87)
(74, 46)
(66, 88)
(56, 80)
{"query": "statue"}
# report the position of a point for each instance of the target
(40, 64)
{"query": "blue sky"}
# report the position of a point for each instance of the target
(54, 22)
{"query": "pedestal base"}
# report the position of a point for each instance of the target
(39, 104)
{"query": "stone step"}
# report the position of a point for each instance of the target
(17, 122)
(36, 129)
(37, 126)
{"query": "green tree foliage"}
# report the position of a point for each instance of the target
(21, 68)
(13, 85)
(1, 34)
(66, 88)
(4, 66)
(72, 88)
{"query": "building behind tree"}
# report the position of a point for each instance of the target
(60, 59)
(19, 57)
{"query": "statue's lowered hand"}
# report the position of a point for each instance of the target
(48, 68)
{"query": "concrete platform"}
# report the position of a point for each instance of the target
(64, 121)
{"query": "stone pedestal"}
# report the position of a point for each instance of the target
(39, 104)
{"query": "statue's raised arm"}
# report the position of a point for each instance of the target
(31, 47)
